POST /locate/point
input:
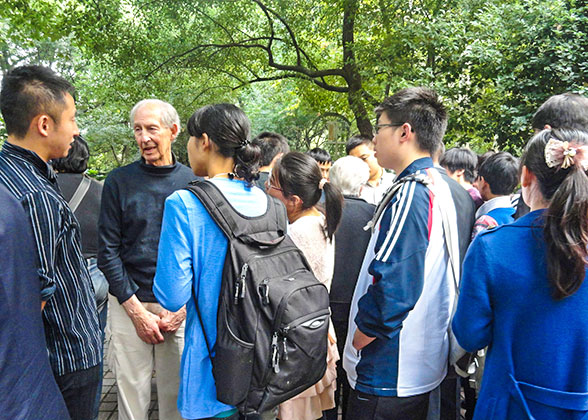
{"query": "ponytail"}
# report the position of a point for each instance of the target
(333, 208)
(566, 225)
(566, 234)
(247, 158)
(300, 175)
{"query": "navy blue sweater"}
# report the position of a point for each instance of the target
(130, 223)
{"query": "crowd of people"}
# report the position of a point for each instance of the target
(448, 273)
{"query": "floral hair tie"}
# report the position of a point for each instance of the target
(565, 154)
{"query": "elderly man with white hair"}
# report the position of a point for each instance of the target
(350, 174)
(144, 336)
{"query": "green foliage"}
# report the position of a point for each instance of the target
(312, 70)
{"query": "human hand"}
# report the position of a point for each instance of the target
(360, 340)
(146, 324)
(171, 321)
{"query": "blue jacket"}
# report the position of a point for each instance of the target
(537, 362)
(404, 294)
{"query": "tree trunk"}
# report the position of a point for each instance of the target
(352, 74)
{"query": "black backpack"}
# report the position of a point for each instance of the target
(273, 314)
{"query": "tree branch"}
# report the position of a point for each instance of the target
(331, 88)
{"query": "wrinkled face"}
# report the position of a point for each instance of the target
(153, 137)
(325, 168)
(366, 153)
(64, 130)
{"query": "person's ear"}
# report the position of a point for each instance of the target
(174, 131)
(459, 172)
(296, 201)
(205, 142)
(527, 177)
(406, 130)
(42, 124)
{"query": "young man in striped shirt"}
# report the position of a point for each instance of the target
(396, 351)
(39, 112)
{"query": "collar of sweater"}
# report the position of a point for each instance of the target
(158, 170)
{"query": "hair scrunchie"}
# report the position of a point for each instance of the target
(565, 154)
(322, 183)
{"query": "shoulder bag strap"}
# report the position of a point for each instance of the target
(80, 193)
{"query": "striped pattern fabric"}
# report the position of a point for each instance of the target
(70, 317)
(404, 294)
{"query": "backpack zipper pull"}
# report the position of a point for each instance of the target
(240, 284)
(242, 279)
(264, 291)
(285, 353)
(236, 296)
(275, 353)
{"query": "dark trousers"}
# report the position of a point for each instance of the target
(79, 392)
(339, 317)
(371, 407)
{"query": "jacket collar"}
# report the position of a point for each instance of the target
(30, 157)
(415, 166)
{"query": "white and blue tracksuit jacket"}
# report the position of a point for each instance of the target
(404, 294)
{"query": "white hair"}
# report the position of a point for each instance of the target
(349, 174)
(169, 115)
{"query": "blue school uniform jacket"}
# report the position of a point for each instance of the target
(537, 362)
(404, 294)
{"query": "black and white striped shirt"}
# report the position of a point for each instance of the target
(70, 317)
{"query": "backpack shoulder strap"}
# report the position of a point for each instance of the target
(216, 204)
(267, 229)
(389, 195)
(80, 193)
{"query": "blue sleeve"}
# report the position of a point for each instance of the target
(110, 226)
(174, 275)
(399, 266)
(45, 217)
(473, 319)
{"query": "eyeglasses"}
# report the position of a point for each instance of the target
(269, 186)
(379, 126)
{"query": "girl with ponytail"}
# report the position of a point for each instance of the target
(192, 247)
(524, 292)
(296, 180)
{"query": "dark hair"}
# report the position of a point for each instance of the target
(423, 110)
(501, 172)
(76, 161)
(320, 155)
(460, 158)
(271, 144)
(228, 127)
(568, 110)
(358, 140)
(298, 174)
(28, 91)
(483, 157)
(566, 224)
